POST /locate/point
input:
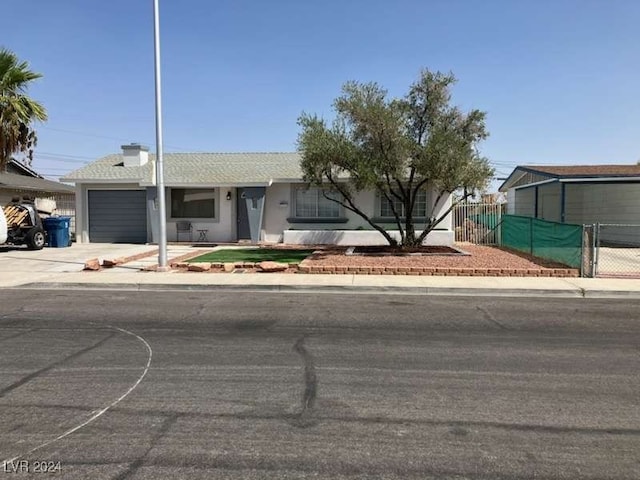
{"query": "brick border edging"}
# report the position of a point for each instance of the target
(112, 262)
(440, 271)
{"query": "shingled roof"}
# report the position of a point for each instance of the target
(13, 181)
(211, 169)
(526, 174)
(586, 170)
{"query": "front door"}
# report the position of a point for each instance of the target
(244, 233)
(250, 205)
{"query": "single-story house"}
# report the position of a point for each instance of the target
(18, 180)
(223, 197)
(576, 194)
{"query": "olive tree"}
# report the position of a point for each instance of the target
(397, 147)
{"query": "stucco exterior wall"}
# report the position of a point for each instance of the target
(358, 237)
(277, 209)
(280, 207)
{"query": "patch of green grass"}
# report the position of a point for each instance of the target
(253, 255)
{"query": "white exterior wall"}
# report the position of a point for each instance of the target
(447, 222)
(279, 205)
(602, 203)
(358, 237)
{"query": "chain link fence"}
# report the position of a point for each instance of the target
(557, 242)
(617, 250)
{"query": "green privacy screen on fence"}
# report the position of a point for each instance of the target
(559, 242)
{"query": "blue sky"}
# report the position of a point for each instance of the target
(559, 79)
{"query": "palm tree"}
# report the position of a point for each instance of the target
(17, 110)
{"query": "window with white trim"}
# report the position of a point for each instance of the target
(419, 207)
(193, 203)
(311, 203)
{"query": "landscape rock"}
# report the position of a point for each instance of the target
(113, 262)
(199, 267)
(229, 267)
(93, 264)
(272, 266)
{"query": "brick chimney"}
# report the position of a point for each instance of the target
(135, 155)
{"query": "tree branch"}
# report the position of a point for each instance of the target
(352, 207)
(432, 224)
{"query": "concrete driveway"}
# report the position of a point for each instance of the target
(619, 262)
(15, 260)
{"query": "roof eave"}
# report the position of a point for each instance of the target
(601, 178)
(78, 181)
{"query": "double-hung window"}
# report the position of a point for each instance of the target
(419, 207)
(312, 203)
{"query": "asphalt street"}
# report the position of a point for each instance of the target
(215, 385)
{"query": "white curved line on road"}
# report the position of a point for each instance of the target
(99, 413)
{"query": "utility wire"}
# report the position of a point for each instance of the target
(86, 134)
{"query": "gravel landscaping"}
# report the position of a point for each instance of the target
(482, 260)
(477, 261)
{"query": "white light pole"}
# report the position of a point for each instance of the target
(162, 209)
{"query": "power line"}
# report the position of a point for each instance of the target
(86, 134)
(52, 169)
(63, 160)
(65, 155)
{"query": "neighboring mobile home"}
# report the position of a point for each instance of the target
(577, 194)
(224, 197)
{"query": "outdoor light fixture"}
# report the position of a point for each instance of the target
(228, 195)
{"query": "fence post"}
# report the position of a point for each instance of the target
(582, 256)
(498, 226)
(531, 236)
(588, 251)
(596, 248)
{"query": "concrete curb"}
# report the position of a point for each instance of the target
(350, 289)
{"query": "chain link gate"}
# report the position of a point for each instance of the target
(615, 251)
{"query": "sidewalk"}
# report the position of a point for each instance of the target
(118, 279)
(61, 269)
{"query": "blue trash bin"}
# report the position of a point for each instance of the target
(58, 231)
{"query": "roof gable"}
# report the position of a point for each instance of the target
(19, 168)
